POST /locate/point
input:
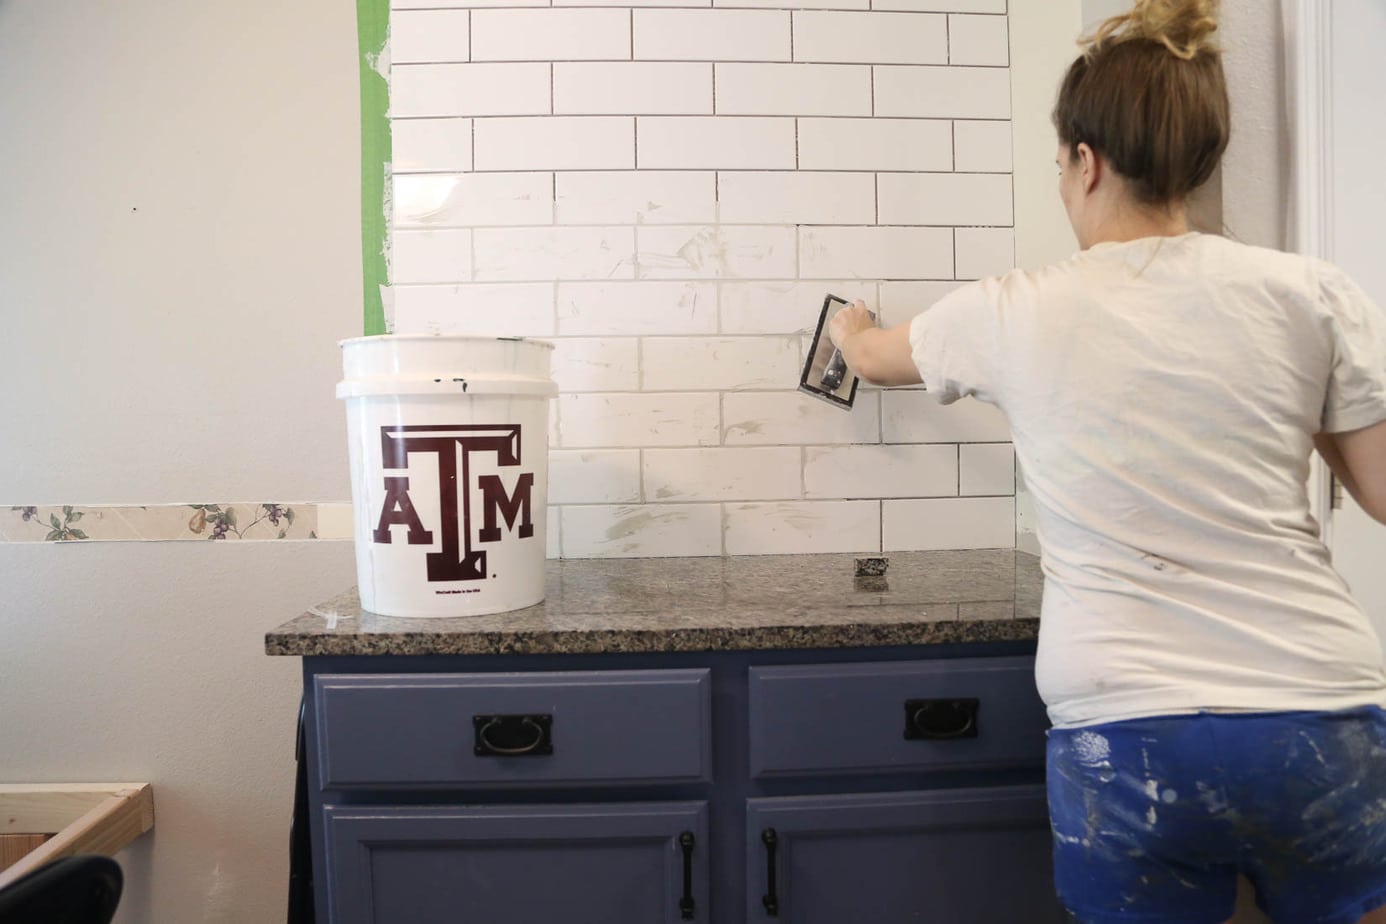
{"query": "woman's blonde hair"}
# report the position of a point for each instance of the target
(1149, 94)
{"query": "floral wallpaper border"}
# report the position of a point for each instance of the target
(174, 522)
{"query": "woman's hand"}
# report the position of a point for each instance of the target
(849, 321)
(879, 356)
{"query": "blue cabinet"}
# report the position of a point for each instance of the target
(740, 787)
(580, 864)
(951, 856)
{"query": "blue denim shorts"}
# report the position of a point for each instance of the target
(1153, 819)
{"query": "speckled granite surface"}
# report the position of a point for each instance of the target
(710, 604)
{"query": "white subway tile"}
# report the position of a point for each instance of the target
(712, 35)
(533, 254)
(556, 143)
(803, 527)
(799, 197)
(635, 88)
(469, 90)
(984, 252)
(978, 40)
(945, 199)
(596, 364)
(795, 419)
(478, 310)
(551, 35)
(912, 416)
(949, 523)
(453, 4)
(685, 252)
(901, 301)
(642, 531)
(421, 145)
(637, 420)
(636, 197)
(875, 144)
(726, 363)
(793, 89)
(876, 253)
(986, 469)
(431, 256)
(943, 92)
(428, 36)
(634, 308)
(881, 471)
(982, 147)
(870, 38)
(942, 6)
(553, 545)
(798, 5)
(467, 200)
(627, 4)
(594, 477)
(721, 474)
(783, 307)
(713, 142)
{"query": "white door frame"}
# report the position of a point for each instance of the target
(1308, 28)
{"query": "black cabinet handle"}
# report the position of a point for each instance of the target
(686, 903)
(513, 735)
(770, 899)
(936, 719)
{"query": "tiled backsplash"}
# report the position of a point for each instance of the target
(666, 191)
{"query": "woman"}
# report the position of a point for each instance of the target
(1216, 693)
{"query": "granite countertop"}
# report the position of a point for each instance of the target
(710, 604)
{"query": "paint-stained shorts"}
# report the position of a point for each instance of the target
(1154, 818)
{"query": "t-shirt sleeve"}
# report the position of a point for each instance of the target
(1357, 384)
(955, 344)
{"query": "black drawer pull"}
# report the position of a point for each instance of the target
(770, 899)
(936, 719)
(513, 735)
(686, 903)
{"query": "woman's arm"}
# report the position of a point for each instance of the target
(1358, 458)
(881, 356)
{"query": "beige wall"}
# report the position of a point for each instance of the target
(179, 250)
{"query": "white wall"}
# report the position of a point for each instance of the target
(1358, 200)
(179, 250)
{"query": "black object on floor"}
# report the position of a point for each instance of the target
(301, 910)
(74, 890)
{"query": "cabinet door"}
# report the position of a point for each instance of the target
(641, 863)
(975, 856)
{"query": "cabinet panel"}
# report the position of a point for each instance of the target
(976, 856)
(423, 730)
(855, 718)
(580, 864)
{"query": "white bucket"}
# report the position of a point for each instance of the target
(449, 440)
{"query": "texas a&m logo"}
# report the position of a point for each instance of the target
(454, 448)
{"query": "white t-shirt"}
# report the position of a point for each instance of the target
(1163, 394)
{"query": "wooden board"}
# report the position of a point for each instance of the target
(13, 847)
(80, 817)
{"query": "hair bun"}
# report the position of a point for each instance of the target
(1185, 27)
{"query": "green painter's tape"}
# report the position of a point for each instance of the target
(372, 30)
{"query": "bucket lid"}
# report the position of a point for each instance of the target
(448, 385)
(379, 338)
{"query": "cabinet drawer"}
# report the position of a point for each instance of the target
(518, 864)
(433, 731)
(895, 716)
